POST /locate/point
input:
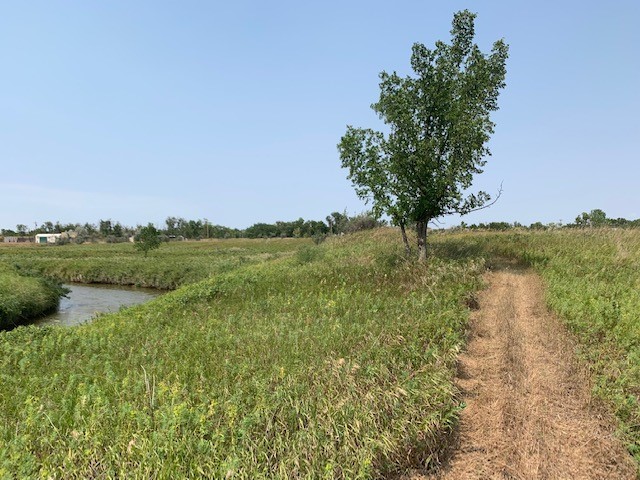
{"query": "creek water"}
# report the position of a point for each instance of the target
(85, 301)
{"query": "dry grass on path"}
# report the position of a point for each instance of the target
(529, 414)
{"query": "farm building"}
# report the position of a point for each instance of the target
(14, 239)
(45, 238)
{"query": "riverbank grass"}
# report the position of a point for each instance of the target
(173, 265)
(335, 361)
(24, 297)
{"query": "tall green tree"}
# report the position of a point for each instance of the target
(438, 124)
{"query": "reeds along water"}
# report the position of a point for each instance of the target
(25, 296)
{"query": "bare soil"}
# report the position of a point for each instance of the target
(529, 413)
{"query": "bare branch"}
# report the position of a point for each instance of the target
(490, 203)
(487, 205)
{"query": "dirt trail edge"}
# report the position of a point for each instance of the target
(528, 411)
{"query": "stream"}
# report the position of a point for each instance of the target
(85, 301)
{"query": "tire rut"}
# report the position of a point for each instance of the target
(529, 412)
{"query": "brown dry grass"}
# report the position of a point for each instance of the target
(529, 413)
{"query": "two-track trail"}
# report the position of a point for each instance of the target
(528, 411)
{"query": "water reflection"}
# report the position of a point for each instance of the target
(85, 301)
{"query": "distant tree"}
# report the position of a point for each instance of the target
(261, 230)
(298, 228)
(117, 230)
(618, 222)
(595, 218)
(65, 227)
(499, 226)
(364, 221)
(48, 227)
(172, 226)
(106, 228)
(439, 126)
(90, 229)
(194, 229)
(21, 229)
(537, 226)
(314, 228)
(284, 229)
(337, 222)
(147, 239)
(219, 231)
(598, 218)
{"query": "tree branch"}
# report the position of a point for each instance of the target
(487, 205)
(490, 203)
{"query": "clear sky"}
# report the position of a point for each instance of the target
(231, 111)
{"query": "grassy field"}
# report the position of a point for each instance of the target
(281, 359)
(288, 361)
(172, 265)
(592, 280)
(24, 296)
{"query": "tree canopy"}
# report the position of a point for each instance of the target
(147, 239)
(438, 126)
(595, 218)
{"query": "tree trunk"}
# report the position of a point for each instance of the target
(421, 229)
(405, 240)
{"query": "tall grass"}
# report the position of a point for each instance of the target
(334, 362)
(24, 296)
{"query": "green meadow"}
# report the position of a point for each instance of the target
(172, 265)
(299, 361)
(284, 359)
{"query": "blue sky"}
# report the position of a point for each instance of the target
(231, 111)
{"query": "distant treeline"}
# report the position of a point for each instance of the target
(182, 229)
(177, 228)
(594, 219)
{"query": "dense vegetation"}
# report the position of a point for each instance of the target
(177, 263)
(177, 228)
(282, 358)
(593, 278)
(334, 362)
(24, 296)
(593, 219)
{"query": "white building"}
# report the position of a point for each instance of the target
(44, 238)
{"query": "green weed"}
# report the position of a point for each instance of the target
(24, 296)
(331, 364)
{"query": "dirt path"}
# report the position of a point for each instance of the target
(528, 413)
